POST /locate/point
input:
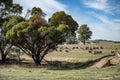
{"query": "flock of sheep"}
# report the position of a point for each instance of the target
(92, 50)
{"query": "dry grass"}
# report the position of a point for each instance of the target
(73, 65)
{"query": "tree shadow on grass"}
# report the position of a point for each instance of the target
(58, 65)
(62, 65)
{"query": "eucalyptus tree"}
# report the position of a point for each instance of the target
(35, 37)
(84, 33)
(8, 10)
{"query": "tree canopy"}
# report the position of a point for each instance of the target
(63, 18)
(8, 10)
(10, 21)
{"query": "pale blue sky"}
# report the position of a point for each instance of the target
(102, 16)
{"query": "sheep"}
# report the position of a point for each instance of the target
(97, 47)
(77, 47)
(100, 51)
(94, 47)
(90, 51)
(73, 48)
(60, 50)
(66, 51)
(101, 47)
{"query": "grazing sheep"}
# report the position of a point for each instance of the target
(77, 47)
(66, 51)
(94, 47)
(97, 47)
(100, 51)
(60, 50)
(90, 51)
(97, 52)
(73, 48)
(112, 51)
(101, 47)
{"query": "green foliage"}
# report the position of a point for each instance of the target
(54, 35)
(37, 18)
(7, 7)
(84, 33)
(24, 30)
(6, 2)
(63, 28)
(57, 18)
(35, 41)
(42, 30)
(36, 22)
(63, 18)
(4, 8)
(18, 31)
(37, 12)
(10, 21)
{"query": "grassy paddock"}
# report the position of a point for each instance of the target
(74, 65)
(14, 72)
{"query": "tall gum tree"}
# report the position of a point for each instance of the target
(84, 33)
(7, 8)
